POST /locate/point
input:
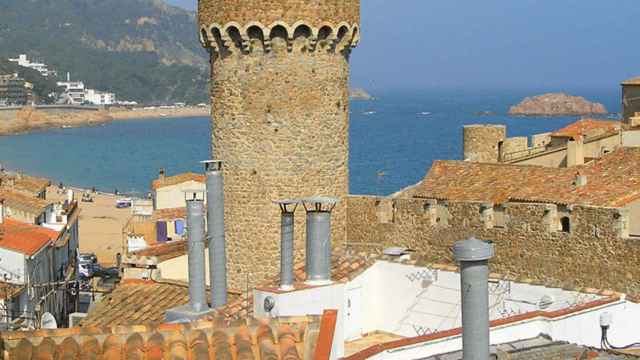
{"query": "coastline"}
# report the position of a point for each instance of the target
(27, 119)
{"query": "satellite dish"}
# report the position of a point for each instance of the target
(48, 321)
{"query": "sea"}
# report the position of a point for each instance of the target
(393, 141)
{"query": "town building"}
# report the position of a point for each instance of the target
(43, 69)
(167, 192)
(73, 91)
(630, 99)
(30, 185)
(15, 90)
(96, 97)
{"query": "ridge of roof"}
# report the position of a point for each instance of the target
(611, 180)
(177, 179)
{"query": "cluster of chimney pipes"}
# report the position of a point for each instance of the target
(318, 244)
(472, 254)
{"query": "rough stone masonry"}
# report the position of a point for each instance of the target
(280, 117)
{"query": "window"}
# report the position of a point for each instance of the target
(499, 217)
(565, 224)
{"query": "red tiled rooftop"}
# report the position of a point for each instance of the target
(23, 202)
(612, 181)
(283, 338)
(177, 179)
(588, 128)
(25, 238)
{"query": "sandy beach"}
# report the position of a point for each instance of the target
(100, 224)
(29, 119)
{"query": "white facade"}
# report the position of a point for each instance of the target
(74, 90)
(96, 97)
(413, 301)
(43, 69)
(172, 196)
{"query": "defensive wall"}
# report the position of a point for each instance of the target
(279, 94)
(531, 244)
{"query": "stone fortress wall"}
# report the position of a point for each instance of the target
(530, 242)
(280, 110)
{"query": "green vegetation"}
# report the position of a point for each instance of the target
(42, 86)
(143, 50)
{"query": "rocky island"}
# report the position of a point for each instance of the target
(359, 94)
(556, 104)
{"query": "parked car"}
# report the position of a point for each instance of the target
(124, 203)
(86, 264)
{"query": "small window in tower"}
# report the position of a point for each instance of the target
(565, 224)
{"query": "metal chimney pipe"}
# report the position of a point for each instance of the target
(195, 228)
(287, 221)
(473, 256)
(215, 232)
(318, 246)
(1, 211)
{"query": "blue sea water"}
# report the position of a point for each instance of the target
(398, 135)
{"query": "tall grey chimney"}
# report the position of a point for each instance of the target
(215, 232)
(473, 256)
(197, 306)
(287, 221)
(318, 246)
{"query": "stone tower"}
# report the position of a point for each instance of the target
(482, 143)
(280, 117)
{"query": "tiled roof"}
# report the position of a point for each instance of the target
(170, 214)
(283, 338)
(20, 201)
(588, 128)
(31, 184)
(164, 251)
(25, 238)
(612, 181)
(541, 347)
(177, 179)
(632, 81)
(139, 302)
(344, 267)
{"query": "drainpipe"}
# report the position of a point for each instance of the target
(318, 246)
(287, 220)
(473, 256)
(215, 232)
(1, 211)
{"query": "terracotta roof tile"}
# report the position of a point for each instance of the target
(170, 214)
(588, 128)
(164, 251)
(612, 181)
(208, 339)
(25, 238)
(177, 179)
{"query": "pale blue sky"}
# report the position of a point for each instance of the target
(542, 44)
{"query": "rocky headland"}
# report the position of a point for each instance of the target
(359, 94)
(28, 118)
(556, 104)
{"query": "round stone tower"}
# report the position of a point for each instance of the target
(280, 117)
(482, 143)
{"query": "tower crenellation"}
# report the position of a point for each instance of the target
(280, 116)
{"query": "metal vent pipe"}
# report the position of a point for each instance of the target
(215, 230)
(318, 244)
(195, 244)
(287, 221)
(473, 256)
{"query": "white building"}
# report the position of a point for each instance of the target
(168, 191)
(42, 68)
(74, 91)
(96, 97)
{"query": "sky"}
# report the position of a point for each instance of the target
(495, 44)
